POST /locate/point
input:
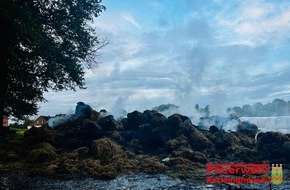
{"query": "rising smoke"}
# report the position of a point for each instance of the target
(82, 111)
(200, 116)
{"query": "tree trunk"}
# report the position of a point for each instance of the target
(3, 89)
(3, 85)
(4, 51)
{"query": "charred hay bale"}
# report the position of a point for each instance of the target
(196, 139)
(223, 140)
(72, 137)
(150, 113)
(90, 131)
(154, 133)
(230, 139)
(213, 129)
(150, 136)
(124, 165)
(153, 114)
(124, 122)
(135, 119)
(144, 134)
(109, 123)
(63, 167)
(69, 167)
(189, 154)
(271, 142)
(79, 153)
(174, 144)
(241, 154)
(183, 168)
(90, 166)
(115, 135)
(149, 164)
(231, 146)
(246, 140)
(47, 170)
(41, 153)
(127, 136)
(37, 135)
(135, 146)
(183, 152)
(286, 149)
(105, 149)
(199, 157)
(106, 172)
(247, 128)
(62, 141)
(178, 161)
(83, 110)
(82, 152)
(94, 168)
(214, 138)
(175, 122)
(158, 121)
(95, 116)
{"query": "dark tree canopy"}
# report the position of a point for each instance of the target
(44, 44)
(277, 107)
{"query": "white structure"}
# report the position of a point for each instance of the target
(278, 123)
(41, 120)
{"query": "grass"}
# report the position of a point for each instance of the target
(19, 132)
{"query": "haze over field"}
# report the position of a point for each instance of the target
(218, 53)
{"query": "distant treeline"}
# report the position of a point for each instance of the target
(277, 107)
(165, 107)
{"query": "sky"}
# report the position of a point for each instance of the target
(210, 52)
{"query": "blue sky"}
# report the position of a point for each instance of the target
(217, 52)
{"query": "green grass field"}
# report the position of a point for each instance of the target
(19, 132)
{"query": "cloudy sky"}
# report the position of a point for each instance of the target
(215, 52)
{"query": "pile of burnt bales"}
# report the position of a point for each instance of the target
(96, 144)
(150, 132)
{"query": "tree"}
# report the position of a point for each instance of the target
(258, 109)
(44, 44)
(205, 111)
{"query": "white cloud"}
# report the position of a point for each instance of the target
(254, 22)
(281, 67)
(128, 17)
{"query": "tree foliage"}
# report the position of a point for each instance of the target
(45, 44)
(204, 111)
(277, 107)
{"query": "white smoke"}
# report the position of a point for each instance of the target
(117, 110)
(278, 124)
(55, 121)
(167, 109)
(225, 123)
